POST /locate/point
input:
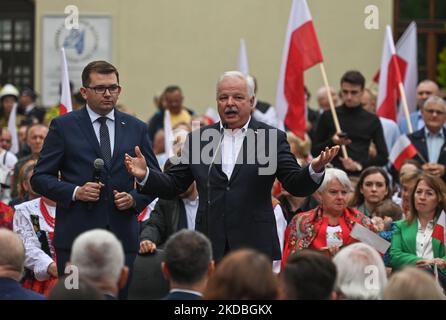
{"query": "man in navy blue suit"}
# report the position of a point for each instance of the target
(12, 260)
(187, 265)
(64, 172)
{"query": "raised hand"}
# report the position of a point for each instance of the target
(137, 166)
(324, 158)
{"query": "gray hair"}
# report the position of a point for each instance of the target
(99, 255)
(322, 92)
(237, 74)
(361, 272)
(332, 174)
(436, 100)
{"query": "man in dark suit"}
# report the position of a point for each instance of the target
(235, 173)
(12, 260)
(73, 143)
(430, 141)
(187, 265)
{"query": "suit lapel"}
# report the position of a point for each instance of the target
(218, 158)
(420, 143)
(86, 126)
(119, 138)
(442, 157)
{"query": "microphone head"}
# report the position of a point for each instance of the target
(98, 164)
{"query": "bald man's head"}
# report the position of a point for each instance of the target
(426, 89)
(12, 255)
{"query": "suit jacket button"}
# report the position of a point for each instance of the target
(228, 188)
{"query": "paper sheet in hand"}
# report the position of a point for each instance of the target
(363, 234)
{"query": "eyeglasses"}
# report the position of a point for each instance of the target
(101, 90)
(431, 112)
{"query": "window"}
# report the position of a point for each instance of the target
(430, 16)
(17, 43)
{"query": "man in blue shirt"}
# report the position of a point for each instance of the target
(430, 140)
(425, 89)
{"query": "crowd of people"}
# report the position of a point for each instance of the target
(143, 224)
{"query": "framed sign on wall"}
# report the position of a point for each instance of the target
(90, 41)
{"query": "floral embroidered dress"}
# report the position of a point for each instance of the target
(34, 222)
(311, 230)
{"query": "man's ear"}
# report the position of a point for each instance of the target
(83, 92)
(123, 277)
(252, 101)
(165, 271)
(211, 267)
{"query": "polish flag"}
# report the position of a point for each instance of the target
(389, 79)
(65, 98)
(301, 52)
(243, 58)
(440, 228)
(402, 150)
(406, 50)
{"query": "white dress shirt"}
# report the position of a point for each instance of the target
(434, 142)
(96, 126)
(191, 207)
(424, 240)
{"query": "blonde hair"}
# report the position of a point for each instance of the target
(412, 284)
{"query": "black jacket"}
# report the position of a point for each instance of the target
(240, 212)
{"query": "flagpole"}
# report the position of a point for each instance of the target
(405, 106)
(332, 107)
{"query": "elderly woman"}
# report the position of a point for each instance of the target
(372, 188)
(414, 241)
(328, 226)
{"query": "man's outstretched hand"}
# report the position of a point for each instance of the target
(137, 166)
(324, 158)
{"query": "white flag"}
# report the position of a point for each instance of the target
(65, 97)
(406, 48)
(243, 58)
(13, 130)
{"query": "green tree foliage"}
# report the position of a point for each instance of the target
(441, 68)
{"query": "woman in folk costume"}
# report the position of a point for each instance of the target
(327, 227)
(34, 222)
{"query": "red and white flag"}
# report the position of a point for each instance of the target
(440, 228)
(65, 97)
(389, 79)
(301, 52)
(243, 58)
(406, 50)
(402, 150)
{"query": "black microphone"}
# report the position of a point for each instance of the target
(98, 166)
(222, 130)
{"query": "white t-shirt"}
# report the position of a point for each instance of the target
(8, 159)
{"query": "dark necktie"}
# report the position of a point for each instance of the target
(104, 138)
